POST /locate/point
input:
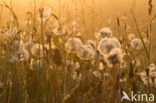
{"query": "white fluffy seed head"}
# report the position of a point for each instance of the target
(105, 32)
(107, 44)
(86, 52)
(136, 43)
(73, 45)
(114, 57)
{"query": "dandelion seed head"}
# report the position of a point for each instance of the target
(107, 44)
(86, 52)
(115, 42)
(73, 45)
(11, 34)
(115, 56)
(136, 43)
(151, 82)
(104, 32)
(22, 54)
(104, 46)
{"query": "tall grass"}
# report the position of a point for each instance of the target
(50, 61)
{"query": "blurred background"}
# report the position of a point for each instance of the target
(92, 15)
(101, 11)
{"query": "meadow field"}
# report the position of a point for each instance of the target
(77, 51)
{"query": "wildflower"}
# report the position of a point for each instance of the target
(152, 82)
(115, 56)
(20, 55)
(11, 34)
(104, 32)
(37, 50)
(136, 43)
(73, 44)
(152, 70)
(86, 52)
(152, 76)
(107, 44)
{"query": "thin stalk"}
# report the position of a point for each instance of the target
(34, 17)
(140, 35)
(1, 14)
(150, 34)
(10, 14)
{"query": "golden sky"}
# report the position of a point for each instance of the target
(104, 7)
